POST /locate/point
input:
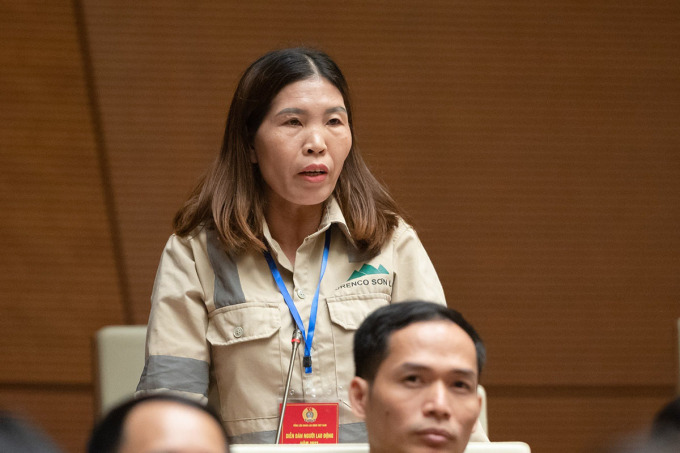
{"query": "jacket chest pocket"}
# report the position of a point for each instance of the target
(246, 359)
(346, 314)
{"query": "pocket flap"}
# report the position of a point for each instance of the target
(349, 311)
(243, 322)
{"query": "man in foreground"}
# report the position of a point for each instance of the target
(417, 369)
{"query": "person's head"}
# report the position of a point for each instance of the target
(640, 444)
(274, 82)
(666, 423)
(289, 136)
(159, 422)
(417, 369)
(663, 437)
(19, 435)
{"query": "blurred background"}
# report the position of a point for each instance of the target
(535, 144)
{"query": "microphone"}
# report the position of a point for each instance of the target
(297, 337)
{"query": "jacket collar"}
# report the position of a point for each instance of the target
(332, 214)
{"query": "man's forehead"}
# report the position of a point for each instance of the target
(429, 328)
(437, 336)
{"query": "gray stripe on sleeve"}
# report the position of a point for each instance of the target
(175, 373)
(228, 290)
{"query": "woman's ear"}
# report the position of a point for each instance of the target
(253, 154)
(358, 396)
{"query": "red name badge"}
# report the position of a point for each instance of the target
(310, 423)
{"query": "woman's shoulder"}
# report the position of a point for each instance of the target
(196, 236)
(402, 227)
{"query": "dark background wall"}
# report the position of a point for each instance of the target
(535, 144)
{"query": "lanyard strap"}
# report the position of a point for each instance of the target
(309, 336)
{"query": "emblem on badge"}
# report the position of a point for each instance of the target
(309, 414)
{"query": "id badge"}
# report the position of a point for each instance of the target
(310, 423)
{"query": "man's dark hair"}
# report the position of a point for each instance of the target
(371, 340)
(107, 434)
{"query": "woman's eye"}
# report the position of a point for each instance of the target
(335, 121)
(293, 122)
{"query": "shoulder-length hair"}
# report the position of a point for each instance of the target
(231, 197)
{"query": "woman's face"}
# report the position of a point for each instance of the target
(303, 142)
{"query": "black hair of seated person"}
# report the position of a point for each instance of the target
(663, 437)
(18, 435)
(371, 340)
(642, 445)
(666, 424)
(107, 434)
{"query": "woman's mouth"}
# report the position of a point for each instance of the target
(314, 176)
(314, 173)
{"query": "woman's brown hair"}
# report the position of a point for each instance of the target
(230, 197)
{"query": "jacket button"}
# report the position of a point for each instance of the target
(301, 294)
(238, 332)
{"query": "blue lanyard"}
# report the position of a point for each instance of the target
(309, 336)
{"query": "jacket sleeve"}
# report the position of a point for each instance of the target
(177, 353)
(415, 276)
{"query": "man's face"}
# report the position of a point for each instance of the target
(424, 395)
(170, 427)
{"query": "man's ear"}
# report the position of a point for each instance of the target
(358, 396)
(478, 424)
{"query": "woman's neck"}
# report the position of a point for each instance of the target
(291, 224)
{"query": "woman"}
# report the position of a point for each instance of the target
(288, 210)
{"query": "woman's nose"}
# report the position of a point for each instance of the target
(315, 142)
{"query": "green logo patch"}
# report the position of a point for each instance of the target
(367, 269)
